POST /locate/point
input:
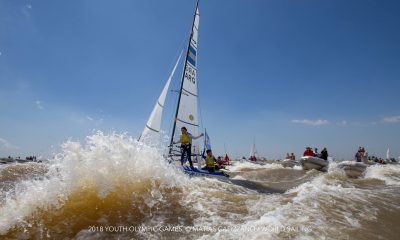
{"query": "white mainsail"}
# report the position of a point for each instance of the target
(388, 154)
(152, 129)
(253, 151)
(187, 110)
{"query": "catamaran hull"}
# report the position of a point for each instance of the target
(353, 169)
(195, 172)
(309, 163)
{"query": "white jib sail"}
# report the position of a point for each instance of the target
(188, 107)
(153, 126)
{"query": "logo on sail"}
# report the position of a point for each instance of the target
(191, 118)
(192, 56)
(190, 74)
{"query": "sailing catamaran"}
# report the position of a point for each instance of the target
(253, 152)
(388, 154)
(187, 112)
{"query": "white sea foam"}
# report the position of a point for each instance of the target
(102, 162)
(306, 215)
(389, 173)
(240, 166)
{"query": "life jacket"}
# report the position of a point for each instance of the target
(210, 161)
(309, 153)
(185, 139)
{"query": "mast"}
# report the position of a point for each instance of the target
(225, 148)
(183, 78)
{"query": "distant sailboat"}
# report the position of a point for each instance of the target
(226, 157)
(253, 152)
(388, 154)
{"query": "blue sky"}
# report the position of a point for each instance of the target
(288, 73)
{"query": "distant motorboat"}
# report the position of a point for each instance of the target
(289, 163)
(309, 163)
(353, 169)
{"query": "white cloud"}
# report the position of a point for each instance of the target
(311, 122)
(82, 119)
(39, 104)
(393, 119)
(5, 145)
(344, 122)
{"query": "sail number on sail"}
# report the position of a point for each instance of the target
(190, 74)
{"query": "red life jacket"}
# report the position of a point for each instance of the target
(308, 153)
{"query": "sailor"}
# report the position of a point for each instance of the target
(287, 156)
(324, 154)
(292, 157)
(186, 145)
(210, 161)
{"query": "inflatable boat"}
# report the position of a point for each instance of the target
(317, 163)
(353, 169)
(289, 163)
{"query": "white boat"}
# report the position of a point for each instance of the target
(187, 108)
(289, 163)
(353, 169)
(309, 163)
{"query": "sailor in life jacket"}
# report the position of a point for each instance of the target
(186, 145)
(210, 161)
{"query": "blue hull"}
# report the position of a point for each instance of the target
(203, 173)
